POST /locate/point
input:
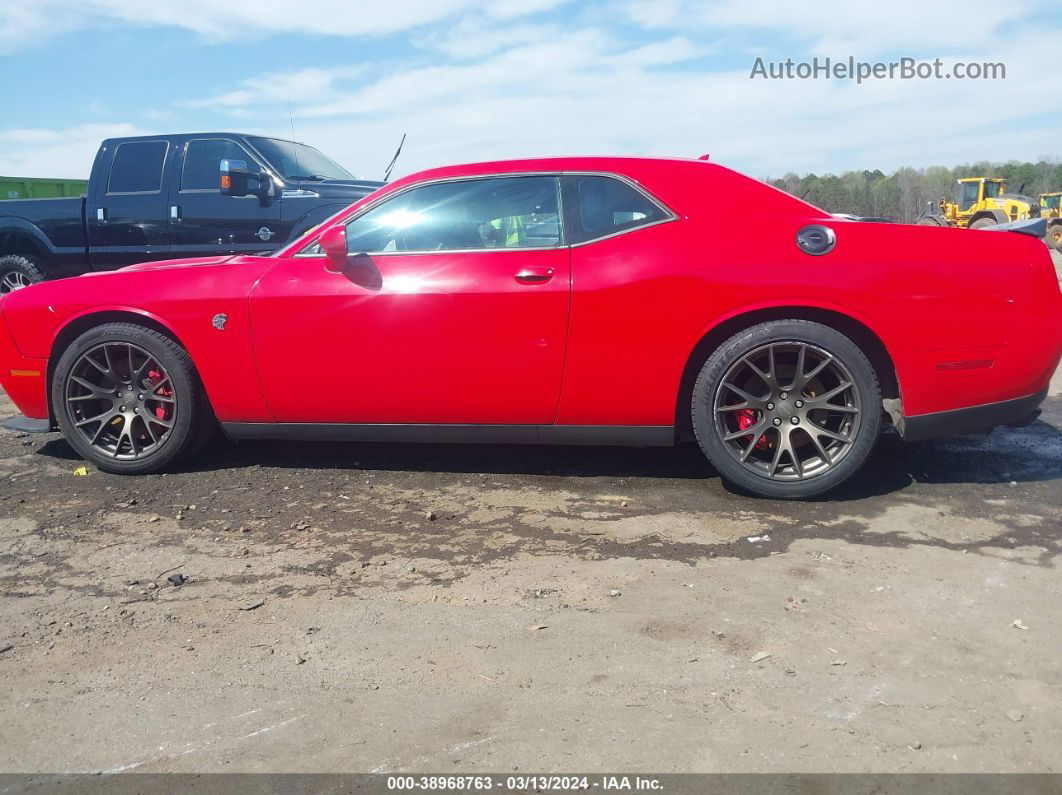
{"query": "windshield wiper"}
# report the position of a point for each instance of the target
(310, 177)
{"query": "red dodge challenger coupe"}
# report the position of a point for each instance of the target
(626, 301)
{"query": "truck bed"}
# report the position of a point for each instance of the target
(61, 220)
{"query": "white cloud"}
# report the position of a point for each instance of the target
(304, 85)
(583, 92)
(23, 23)
(841, 27)
(475, 37)
(477, 88)
(66, 153)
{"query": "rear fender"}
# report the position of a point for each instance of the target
(11, 225)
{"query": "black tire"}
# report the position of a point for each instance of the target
(1054, 236)
(191, 423)
(18, 271)
(781, 338)
(982, 223)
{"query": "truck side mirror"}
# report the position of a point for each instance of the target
(234, 177)
(239, 179)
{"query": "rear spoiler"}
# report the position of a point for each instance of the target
(1037, 227)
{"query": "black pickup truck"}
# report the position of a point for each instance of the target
(161, 197)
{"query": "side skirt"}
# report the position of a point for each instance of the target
(607, 435)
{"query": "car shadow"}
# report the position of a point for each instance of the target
(1029, 454)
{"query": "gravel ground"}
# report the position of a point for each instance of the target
(407, 608)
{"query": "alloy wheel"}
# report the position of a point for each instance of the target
(121, 400)
(13, 280)
(787, 411)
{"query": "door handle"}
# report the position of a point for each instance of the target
(101, 215)
(175, 212)
(534, 275)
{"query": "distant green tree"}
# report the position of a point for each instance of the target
(904, 194)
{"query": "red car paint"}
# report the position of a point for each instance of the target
(453, 337)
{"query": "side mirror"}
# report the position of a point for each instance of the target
(239, 179)
(333, 241)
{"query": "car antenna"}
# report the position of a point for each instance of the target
(294, 149)
(391, 165)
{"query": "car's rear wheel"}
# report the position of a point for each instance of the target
(128, 399)
(787, 409)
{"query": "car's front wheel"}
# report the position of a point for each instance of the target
(787, 409)
(128, 399)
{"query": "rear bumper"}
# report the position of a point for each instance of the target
(975, 419)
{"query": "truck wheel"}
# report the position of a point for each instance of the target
(128, 399)
(18, 271)
(1054, 236)
(787, 409)
(981, 223)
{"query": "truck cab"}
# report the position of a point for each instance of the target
(157, 197)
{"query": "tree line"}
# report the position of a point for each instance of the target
(903, 194)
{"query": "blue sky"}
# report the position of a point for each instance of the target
(508, 78)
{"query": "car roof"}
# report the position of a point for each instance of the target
(605, 163)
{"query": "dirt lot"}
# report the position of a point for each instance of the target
(405, 608)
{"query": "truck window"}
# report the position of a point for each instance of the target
(137, 167)
(298, 161)
(202, 161)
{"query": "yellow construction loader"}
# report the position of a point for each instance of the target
(981, 202)
(1049, 210)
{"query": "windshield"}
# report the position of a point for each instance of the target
(298, 161)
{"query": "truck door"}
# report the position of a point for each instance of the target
(202, 221)
(127, 217)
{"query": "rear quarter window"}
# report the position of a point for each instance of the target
(137, 167)
(602, 206)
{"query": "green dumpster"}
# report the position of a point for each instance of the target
(38, 188)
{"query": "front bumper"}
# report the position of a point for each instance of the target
(23, 378)
(975, 419)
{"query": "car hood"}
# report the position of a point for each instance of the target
(188, 262)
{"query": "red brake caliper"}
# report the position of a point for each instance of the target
(746, 418)
(167, 391)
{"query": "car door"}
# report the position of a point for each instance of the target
(127, 217)
(452, 308)
(203, 221)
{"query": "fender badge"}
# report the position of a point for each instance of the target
(264, 234)
(219, 321)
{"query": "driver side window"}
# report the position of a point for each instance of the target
(491, 213)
